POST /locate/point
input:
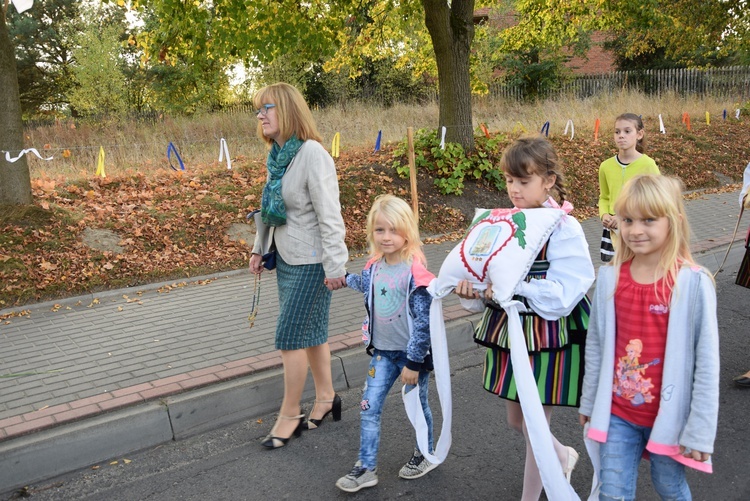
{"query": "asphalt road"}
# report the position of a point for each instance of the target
(485, 461)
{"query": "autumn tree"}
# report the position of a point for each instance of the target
(15, 182)
(261, 31)
(44, 39)
(100, 82)
(451, 28)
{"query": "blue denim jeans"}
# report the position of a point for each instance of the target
(385, 368)
(620, 456)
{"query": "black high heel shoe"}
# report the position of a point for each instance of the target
(272, 442)
(311, 423)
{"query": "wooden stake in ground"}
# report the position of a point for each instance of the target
(413, 172)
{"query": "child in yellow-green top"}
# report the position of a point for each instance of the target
(614, 172)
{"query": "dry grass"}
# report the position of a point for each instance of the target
(141, 147)
(508, 116)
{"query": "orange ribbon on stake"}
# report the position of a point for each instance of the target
(686, 120)
(596, 130)
(484, 129)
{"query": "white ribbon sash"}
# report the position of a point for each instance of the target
(556, 486)
(442, 381)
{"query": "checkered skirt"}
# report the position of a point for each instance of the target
(304, 304)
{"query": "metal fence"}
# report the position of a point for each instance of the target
(730, 81)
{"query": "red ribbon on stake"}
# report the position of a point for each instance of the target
(596, 130)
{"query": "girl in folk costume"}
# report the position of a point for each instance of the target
(652, 352)
(614, 172)
(556, 308)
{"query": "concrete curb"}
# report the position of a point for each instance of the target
(57, 451)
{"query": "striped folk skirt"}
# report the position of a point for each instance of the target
(556, 349)
(558, 374)
(304, 304)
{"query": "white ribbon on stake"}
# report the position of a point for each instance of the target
(224, 149)
(23, 152)
(442, 140)
(442, 381)
(572, 129)
(661, 125)
(22, 5)
(737, 114)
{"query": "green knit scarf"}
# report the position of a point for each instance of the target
(272, 208)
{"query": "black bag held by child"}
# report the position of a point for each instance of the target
(607, 249)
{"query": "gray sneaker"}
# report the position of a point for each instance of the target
(417, 467)
(358, 478)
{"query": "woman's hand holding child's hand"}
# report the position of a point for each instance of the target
(583, 419)
(409, 376)
(335, 283)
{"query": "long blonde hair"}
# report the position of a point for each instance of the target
(292, 112)
(653, 196)
(401, 216)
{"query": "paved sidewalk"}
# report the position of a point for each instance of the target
(186, 351)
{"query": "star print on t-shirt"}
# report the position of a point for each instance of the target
(383, 291)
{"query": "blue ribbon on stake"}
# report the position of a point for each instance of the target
(725, 113)
(545, 129)
(170, 149)
(377, 141)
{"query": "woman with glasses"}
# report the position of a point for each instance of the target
(301, 216)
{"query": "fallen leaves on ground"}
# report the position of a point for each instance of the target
(173, 225)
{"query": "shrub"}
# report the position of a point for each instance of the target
(451, 165)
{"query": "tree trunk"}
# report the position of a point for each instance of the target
(451, 28)
(15, 182)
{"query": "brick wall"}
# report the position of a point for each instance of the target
(597, 60)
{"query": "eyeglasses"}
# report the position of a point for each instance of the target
(263, 110)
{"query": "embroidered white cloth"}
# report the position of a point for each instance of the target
(499, 248)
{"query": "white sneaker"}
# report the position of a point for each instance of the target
(358, 478)
(417, 467)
